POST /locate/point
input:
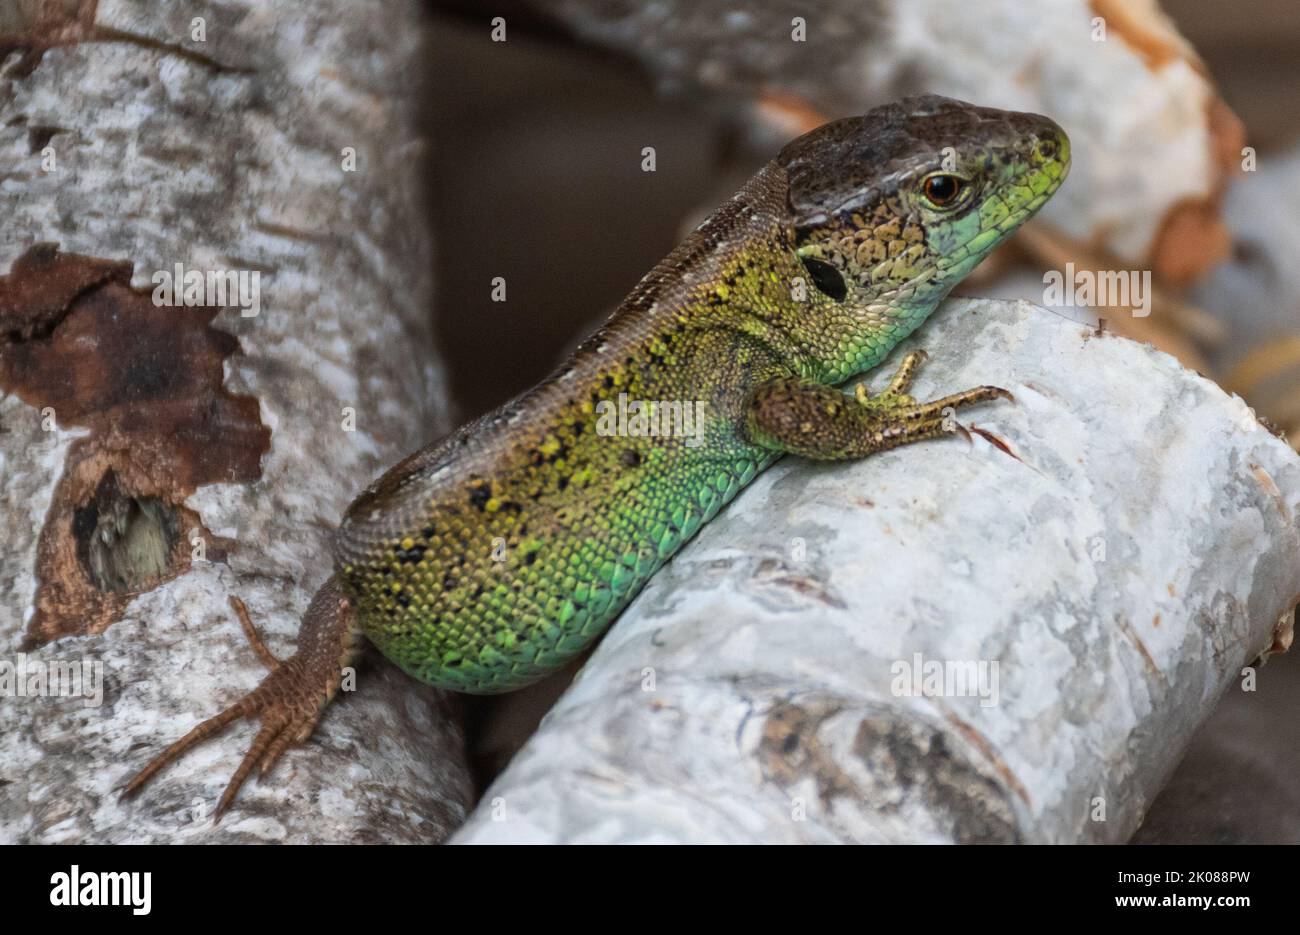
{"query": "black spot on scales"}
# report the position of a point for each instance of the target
(479, 496)
(411, 555)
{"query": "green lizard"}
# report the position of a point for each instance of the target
(496, 554)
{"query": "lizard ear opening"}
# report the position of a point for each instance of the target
(826, 278)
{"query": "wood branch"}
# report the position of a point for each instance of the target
(158, 456)
(1153, 142)
(1099, 560)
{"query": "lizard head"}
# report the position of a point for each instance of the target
(894, 207)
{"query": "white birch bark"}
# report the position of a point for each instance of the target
(216, 135)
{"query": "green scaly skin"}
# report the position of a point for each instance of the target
(495, 555)
(580, 520)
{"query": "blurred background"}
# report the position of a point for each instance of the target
(536, 177)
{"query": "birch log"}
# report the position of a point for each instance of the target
(1153, 143)
(1099, 560)
(156, 458)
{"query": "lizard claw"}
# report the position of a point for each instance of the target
(894, 396)
(289, 700)
(285, 722)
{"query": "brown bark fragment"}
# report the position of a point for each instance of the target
(33, 27)
(147, 382)
(1148, 31)
(1191, 239)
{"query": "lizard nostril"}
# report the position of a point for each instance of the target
(1047, 148)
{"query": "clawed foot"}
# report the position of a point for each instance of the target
(289, 701)
(901, 415)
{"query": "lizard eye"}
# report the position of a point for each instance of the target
(826, 278)
(943, 189)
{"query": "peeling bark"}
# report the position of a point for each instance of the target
(155, 459)
(146, 381)
(1116, 545)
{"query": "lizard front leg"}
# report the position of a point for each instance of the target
(289, 700)
(803, 417)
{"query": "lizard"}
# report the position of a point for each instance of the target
(501, 551)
